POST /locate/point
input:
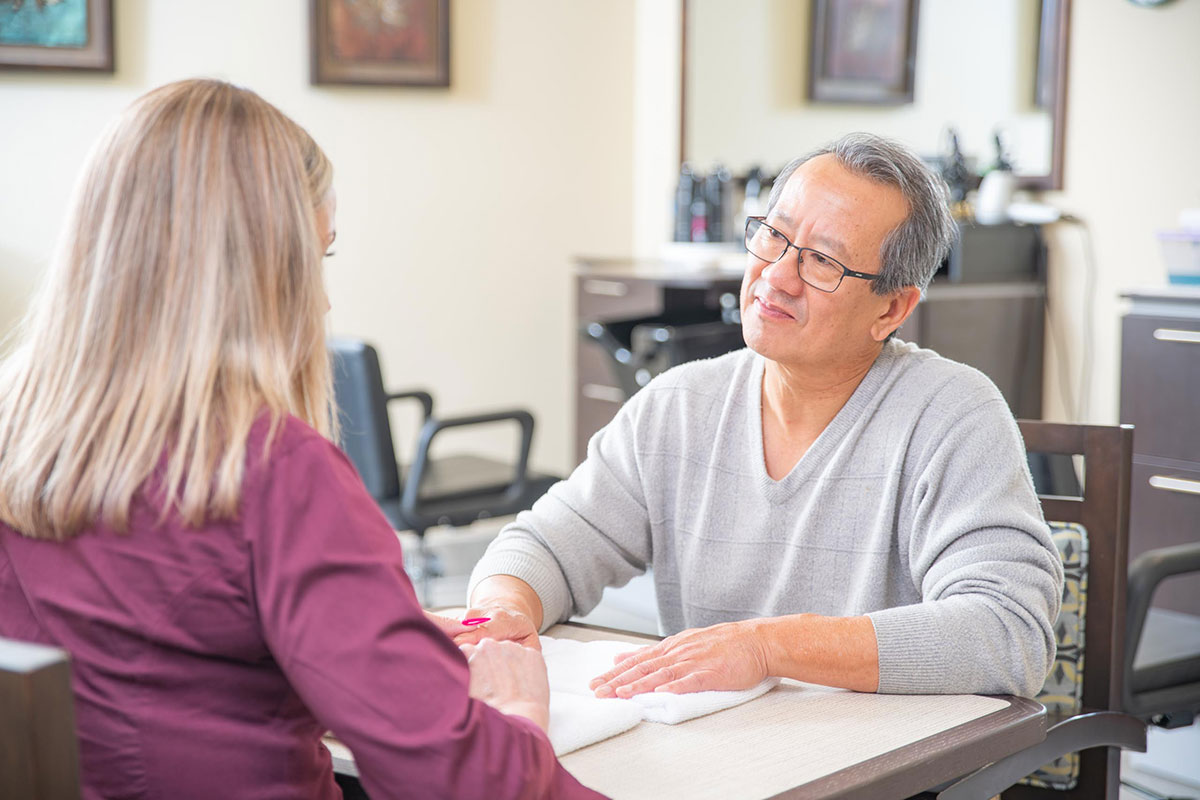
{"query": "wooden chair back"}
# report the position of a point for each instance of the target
(1103, 509)
(39, 751)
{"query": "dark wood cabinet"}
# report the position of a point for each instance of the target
(998, 328)
(1160, 397)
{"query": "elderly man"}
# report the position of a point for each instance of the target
(830, 504)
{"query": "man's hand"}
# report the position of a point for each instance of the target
(728, 656)
(513, 610)
(504, 624)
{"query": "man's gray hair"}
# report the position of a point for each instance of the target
(911, 253)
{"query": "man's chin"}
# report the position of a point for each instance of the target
(768, 345)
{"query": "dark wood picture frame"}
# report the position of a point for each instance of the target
(880, 69)
(380, 52)
(94, 56)
(1054, 38)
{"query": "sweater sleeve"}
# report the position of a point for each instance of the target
(340, 617)
(987, 569)
(589, 531)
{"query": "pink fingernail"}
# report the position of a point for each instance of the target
(476, 620)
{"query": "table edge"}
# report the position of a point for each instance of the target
(1022, 724)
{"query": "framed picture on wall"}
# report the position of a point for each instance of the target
(383, 42)
(1050, 41)
(862, 51)
(56, 34)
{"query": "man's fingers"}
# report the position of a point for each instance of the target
(624, 662)
(658, 677)
(500, 624)
(467, 635)
(632, 674)
(691, 682)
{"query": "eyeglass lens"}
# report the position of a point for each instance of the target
(815, 268)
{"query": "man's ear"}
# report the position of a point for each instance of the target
(902, 303)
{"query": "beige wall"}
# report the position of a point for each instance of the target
(1132, 162)
(658, 30)
(459, 209)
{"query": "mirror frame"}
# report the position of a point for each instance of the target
(1059, 38)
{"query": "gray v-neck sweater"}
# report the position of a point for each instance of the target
(914, 507)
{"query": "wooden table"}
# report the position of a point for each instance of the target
(800, 741)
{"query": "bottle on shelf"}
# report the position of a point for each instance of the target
(683, 204)
(716, 191)
(751, 202)
(698, 230)
(996, 189)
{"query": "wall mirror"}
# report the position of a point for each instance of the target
(980, 66)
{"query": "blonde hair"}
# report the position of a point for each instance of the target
(185, 300)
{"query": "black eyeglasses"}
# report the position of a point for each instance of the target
(818, 270)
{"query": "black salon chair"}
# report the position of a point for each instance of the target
(1162, 648)
(453, 490)
(639, 349)
(1162, 657)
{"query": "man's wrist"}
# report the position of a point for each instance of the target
(512, 603)
(773, 635)
(510, 594)
(833, 651)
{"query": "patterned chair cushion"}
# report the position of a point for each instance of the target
(1063, 689)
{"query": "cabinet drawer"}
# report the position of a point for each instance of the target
(616, 298)
(1160, 385)
(1165, 510)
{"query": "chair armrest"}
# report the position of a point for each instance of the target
(421, 396)
(1145, 574)
(409, 498)
(1097, 729)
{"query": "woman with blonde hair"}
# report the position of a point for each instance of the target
(174, 514)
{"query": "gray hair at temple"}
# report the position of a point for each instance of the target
(911, 253)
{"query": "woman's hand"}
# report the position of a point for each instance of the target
(510, 678)
(447, 625)
(728, 656)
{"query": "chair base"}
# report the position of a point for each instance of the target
(1081, 732)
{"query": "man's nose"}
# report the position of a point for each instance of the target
(784, 274)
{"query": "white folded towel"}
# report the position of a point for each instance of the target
(672, 708)
(572, 664)
(577, 721)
